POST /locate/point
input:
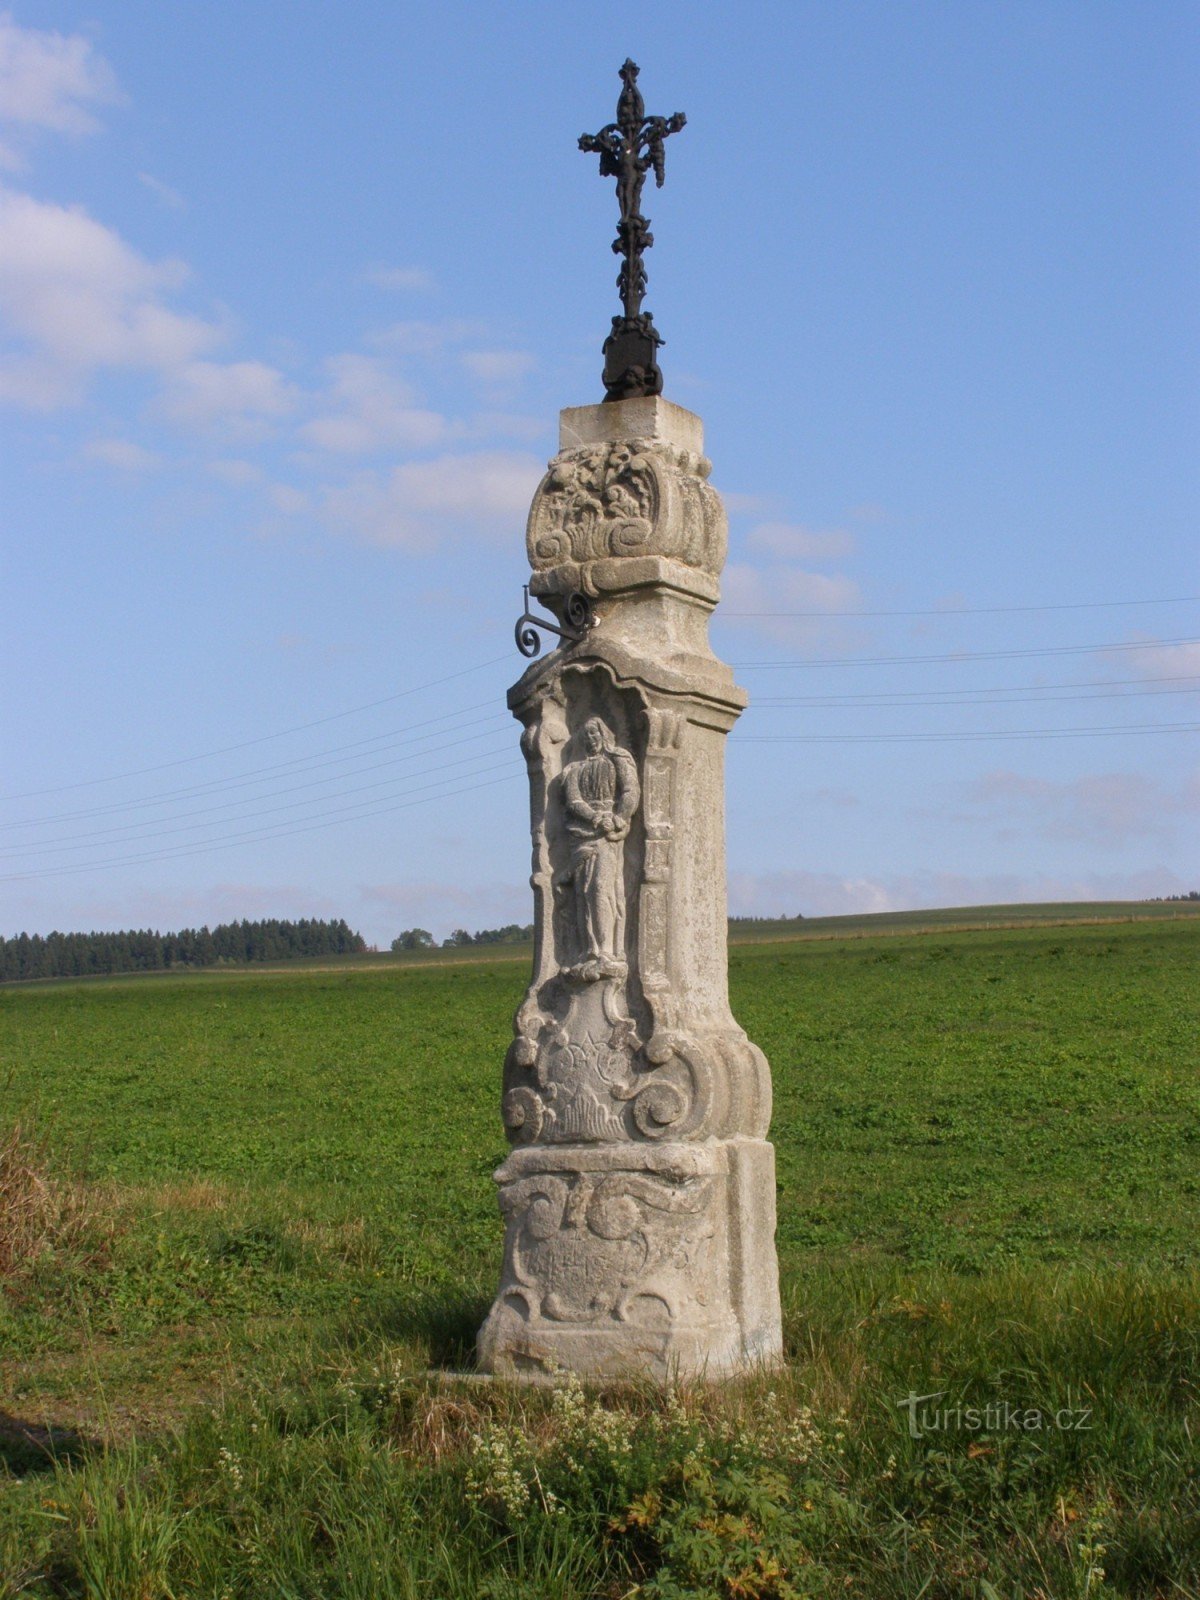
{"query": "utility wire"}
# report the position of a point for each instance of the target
(336, 716)
(258, 835)
(245, 744)
(299, 765)
(888, 697)
(965, 655)
(972, 611)
(182, 823)
(951, 738)
(45, 847)
(867, 703)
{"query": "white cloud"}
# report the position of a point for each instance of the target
(74, 298)
(511, 425)
(751, 505)
(371, 409)
(1105, 809)
(826, 894)
(239, 396)
(497, 369)
(491, 484)
(169, 197)
(422, 502)
(767, 599)
(238, 474)
(51, 81)
(788, 541)
(123, 454)
(292, 502)
(417, 338)
(399, 279)
(1163, 660)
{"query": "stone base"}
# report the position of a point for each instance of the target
(624, 1260)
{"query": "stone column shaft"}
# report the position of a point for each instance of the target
(639, 1197)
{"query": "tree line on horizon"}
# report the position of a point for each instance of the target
(422, 939)
(78, 955)
(511, 933)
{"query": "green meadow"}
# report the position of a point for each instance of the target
(252, 1229)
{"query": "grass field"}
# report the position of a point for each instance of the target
(272, 1214)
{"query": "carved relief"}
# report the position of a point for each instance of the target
(565, 1080)
(600, 793)
(592, 1079)
(618, 1245)
(599, 503)
(579, 1070)
(627, 500)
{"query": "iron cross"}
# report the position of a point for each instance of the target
(629, 148)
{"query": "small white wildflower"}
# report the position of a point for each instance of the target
(230, 1467)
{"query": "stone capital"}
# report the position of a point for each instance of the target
(628, 487)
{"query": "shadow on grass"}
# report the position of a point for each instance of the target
(29, 1447)
(444, 1322)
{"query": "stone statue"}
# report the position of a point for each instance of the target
(600, 793)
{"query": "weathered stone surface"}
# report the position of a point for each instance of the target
(633, 487)
(639, 1199)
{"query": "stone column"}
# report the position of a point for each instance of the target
(639, 1195)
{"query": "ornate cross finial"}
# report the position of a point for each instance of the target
(629, 148)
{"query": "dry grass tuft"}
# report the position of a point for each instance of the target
(442, 1425)
(40, 1212)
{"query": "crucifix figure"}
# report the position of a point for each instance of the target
(629, 148)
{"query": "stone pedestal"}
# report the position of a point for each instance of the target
(639, 1196)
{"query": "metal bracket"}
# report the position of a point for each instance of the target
(577, 612)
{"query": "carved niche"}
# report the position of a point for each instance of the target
(643, 498)
(599, 1053)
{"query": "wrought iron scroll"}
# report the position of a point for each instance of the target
(576, 613)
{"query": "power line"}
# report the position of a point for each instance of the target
(950, 738)
(298, 764)
(894, 703)
(258, 835)
(887, 697)
(964, 655)
(46, 847)
(302, 762)
(973, 611)
(245, 744)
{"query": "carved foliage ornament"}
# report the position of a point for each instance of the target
(628, 499)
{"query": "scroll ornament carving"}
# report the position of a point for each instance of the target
(609, 1245)
(621, 500)
(559, 1090)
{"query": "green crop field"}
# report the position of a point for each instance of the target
(248, 1229)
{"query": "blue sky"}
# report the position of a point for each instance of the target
(291, 295)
